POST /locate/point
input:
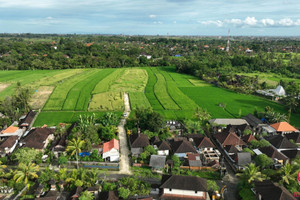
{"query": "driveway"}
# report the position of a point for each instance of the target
(124, 151)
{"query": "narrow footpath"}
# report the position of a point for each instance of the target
(124, 151)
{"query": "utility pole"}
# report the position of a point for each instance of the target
(228, 41)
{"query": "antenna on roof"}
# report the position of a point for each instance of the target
(228, 41)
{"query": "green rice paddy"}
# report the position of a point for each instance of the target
(174, 95)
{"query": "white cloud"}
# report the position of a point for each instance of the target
(268, 22)
(286, 22)
(236, 22)
(219, 23)
(152, 16)
(251, 21)
(174, 22)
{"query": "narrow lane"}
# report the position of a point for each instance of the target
(124, 151)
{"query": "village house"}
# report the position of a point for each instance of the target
(255, 123)
(157, 162)
(183, 187)
(163, 148)
(281, 143)
(267, 190)
(227, 121)
(194, 161)
(137, 143)
(227, 138)
(38, 138)
(283, 128)
(181, 148)
(59, 146)
(273, 153)
(203, 143)
(11, 131)
(295, 137)
(242, 159)
(248, 138)
(111, 150)
(8, 145)
(27, 120)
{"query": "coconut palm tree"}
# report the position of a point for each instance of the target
(251, 173)
(26, 172)
(75, 147)
(287, 173)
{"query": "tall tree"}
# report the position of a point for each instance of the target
(26, 172)
(251, 173)
(75, 147)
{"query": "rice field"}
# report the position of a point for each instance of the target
(64, 94)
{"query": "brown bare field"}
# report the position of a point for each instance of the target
(39, 98)
(3, 86)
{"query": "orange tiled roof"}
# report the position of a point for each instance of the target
(107, 146)
(283, 127)
(10, 129)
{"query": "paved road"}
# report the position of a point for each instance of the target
(124, 151)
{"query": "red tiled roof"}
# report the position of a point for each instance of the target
(283, 127)
(107, 146)
(10, 129)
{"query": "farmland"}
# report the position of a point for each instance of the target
(65, 94)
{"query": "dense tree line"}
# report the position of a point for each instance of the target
(194, 55)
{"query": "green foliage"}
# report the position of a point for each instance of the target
(62, 160)
(249, 150)
(45, 176)
(107, 133)
(25, 155)
(123, 192)
(148, 120)
(247, 194)
(247, 132)
(135, 186)
(86, 195)
(212, 186)
(259, 144)
(251, 173)
(263, 161)
(108, 119)
(108, 186)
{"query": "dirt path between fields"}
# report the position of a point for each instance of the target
(3, 86)
(124, 150)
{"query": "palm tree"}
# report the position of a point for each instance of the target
(26, 172)
(287, 173)
(75, 146)
(251, 173)
(291, 102)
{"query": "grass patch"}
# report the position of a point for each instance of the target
(104, 85)
(132, 80)
(199, 83)
(149, 91)
(107, 101)
(53, 118)
(59, 95)
(138, 99)
(160, 90)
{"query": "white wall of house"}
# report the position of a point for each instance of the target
(113, 154)
(10, 150)
(49, 138)
(163, 152)
(184, 192)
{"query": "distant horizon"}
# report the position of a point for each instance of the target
(145, 17)
(154, 35)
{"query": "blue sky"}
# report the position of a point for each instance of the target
(151, 17)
